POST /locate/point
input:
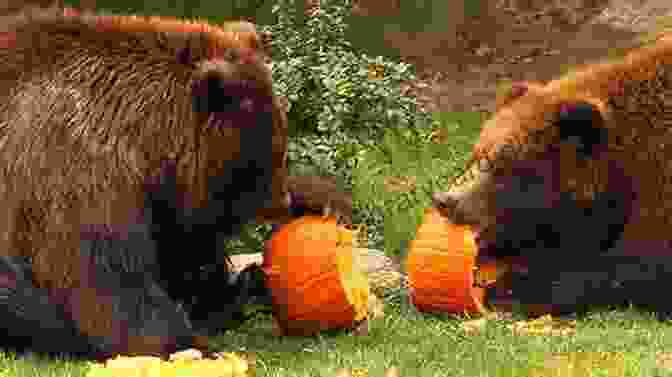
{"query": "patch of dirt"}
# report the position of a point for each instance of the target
(516, 40)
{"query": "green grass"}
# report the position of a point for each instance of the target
(400, 176)
(419, 345)
(428, 345)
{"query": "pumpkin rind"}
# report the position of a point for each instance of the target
(314, 277)
(440, 267)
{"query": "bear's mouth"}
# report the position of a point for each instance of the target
(489, 251)
(499, 292)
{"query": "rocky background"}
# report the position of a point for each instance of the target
(463, 64)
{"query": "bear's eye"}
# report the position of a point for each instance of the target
(530, 183)
(520, 192)
(547, 236)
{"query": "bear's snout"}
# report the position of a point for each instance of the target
(444, 201)
(467, 201)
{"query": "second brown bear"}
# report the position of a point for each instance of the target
(572, 177)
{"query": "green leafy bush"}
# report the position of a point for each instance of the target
(341, 101)
(399, 176)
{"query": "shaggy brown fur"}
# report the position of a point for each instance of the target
(11, 6)
(125, 142)
(600, 134)
(633, 98)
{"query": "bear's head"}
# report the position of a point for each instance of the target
(544, 182)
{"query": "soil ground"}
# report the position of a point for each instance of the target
(463, 65)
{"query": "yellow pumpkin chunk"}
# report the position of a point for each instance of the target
(226, 365)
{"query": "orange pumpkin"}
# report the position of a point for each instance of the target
(441, 265)
(315, 278)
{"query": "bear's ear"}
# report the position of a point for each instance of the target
(515, 91)
(582, 124)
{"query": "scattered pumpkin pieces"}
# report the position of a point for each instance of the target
(382, 271)
(478, 324)
(183, 364)
(487, 273)
(583, 364)
(315, 277)
(664, 360)
(363, 372)
(382, 281)
(190, 354)
(353, 372)
(474, 325)
(376, 307)
(544, 325)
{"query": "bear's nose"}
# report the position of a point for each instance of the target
(443, 200)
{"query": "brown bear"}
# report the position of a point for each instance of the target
(570, 180)
(11, 6)
(130, 146)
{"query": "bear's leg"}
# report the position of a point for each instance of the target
(228, 310)
(213, 296)
(115, 301)
(127, 313)
(30, 320)
(599, 281)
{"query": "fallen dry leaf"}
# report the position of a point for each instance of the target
(343, 373)
(354, 372)
(276, 329)
(478, 324)
(400, 184)
(392, 372)
(664, 360)
(376, 307)
(474, 325)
